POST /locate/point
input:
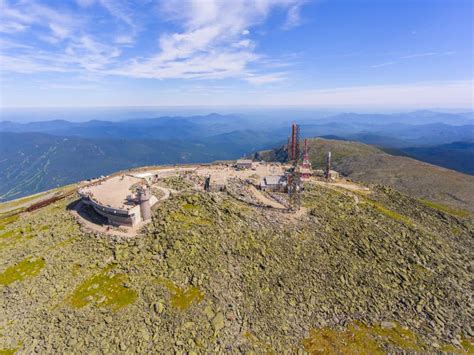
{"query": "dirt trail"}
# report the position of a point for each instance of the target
(262, 198)
(343, 184)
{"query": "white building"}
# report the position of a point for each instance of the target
(273, 183)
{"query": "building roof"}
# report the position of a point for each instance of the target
(273, 179)
(244, 161)
(113, 192)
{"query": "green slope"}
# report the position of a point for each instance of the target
(379, 272)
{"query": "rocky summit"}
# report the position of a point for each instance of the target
(356, 271)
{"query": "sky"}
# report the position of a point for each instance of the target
(392, 54)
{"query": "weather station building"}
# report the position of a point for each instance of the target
(124, 200)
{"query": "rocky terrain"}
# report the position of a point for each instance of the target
(373, 271)
(369, 164)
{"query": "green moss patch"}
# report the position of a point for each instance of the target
(401, 337)
(7, 234)
(26, 268)
(392, 214)
(180, 298)
(105, 290)
(8, 220)
(387, 212)
(361, 339)
(468, 345)
(191, 214)
(354, 340)
(446, 209)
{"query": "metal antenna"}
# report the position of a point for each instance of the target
(328, 166)
(294, 179)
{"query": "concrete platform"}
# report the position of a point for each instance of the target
(113, 192)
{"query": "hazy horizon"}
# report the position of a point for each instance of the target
(83, 114)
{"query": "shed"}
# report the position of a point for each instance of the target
(244, 164)
(273, 183)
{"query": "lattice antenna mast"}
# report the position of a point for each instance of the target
(305, 156)
(294, 181)
(295, 144)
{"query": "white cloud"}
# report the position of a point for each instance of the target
(59, 31)
(385, 64)
(120, 9)
(29, 64)
(12, 27)
(73, 49)
(417, 55)
(124, 39)
(213, 43)
(293, 17)
(59, 23)
(265, 78)
(412, 56)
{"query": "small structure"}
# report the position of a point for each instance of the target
(277, 183)
(211, 185)
(333, 175)
(328, 166)
(244, 164)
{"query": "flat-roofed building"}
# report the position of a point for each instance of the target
(244, 164)
(273, 183)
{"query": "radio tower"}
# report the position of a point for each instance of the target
(294, 176)
(306, 164)
(295, 144)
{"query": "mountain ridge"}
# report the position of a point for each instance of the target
(356, 270)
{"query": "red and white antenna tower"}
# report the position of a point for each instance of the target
(306, 163)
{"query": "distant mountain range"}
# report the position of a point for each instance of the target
(40, 155)
(419, 128)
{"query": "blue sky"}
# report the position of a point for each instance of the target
(330, 53)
